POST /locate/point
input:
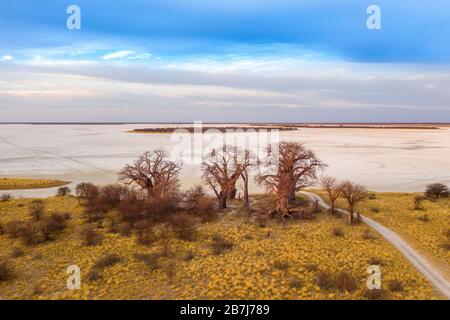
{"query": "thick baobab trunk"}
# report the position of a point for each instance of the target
(292, 198)
(332, 207)
(232, 194)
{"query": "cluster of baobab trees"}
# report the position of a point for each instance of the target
(353, 194)
(284, 171)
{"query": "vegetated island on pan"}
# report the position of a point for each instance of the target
(23, 183)
(216, 129)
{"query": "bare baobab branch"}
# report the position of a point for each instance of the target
(152, 172)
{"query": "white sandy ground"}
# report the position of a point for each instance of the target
(421, 264)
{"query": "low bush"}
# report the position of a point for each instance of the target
(445, 246)
(6, 197)
(189, 256)
(345, 282)
(198, 203)
(447, 233)
(184, 227)
(151, 260)
(338, 232)
(376, 294)
(37, 209)
(56, 222)
(6, 271)
(311, 267)
(395, 285)
(424, 218)
(324, 280)
(418, 199)
(220, 245)
(29, 233)
(94, 275)
(281, 265)
(17, 252)
(63, 192)
(90, 237)
(145, 236)
(368, 235)
(13, 228)
(107, 261)
(376, 261)
(296, 284)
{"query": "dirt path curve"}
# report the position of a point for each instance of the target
(421, 264)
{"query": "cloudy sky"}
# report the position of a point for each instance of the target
(216, 60)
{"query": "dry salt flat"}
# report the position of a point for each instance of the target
(382, 159)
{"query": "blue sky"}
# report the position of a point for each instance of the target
(265, 60)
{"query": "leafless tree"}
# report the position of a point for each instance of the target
(248, 163)
(221, 169)
(354, 194)
(331, 187)
(290, 169)
(152, 172)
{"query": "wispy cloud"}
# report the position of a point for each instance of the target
(213, 89)
(125, 54)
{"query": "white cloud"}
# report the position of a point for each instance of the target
(118, 55)
(7, 57)
(127, 55)
(284, 89)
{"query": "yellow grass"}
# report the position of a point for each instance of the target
(396, 211)
(247, 271)
(21, 183)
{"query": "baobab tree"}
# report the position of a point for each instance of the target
(354, 194)
(331, 187)
(291, 168)
(221, 169)
(152, 172)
